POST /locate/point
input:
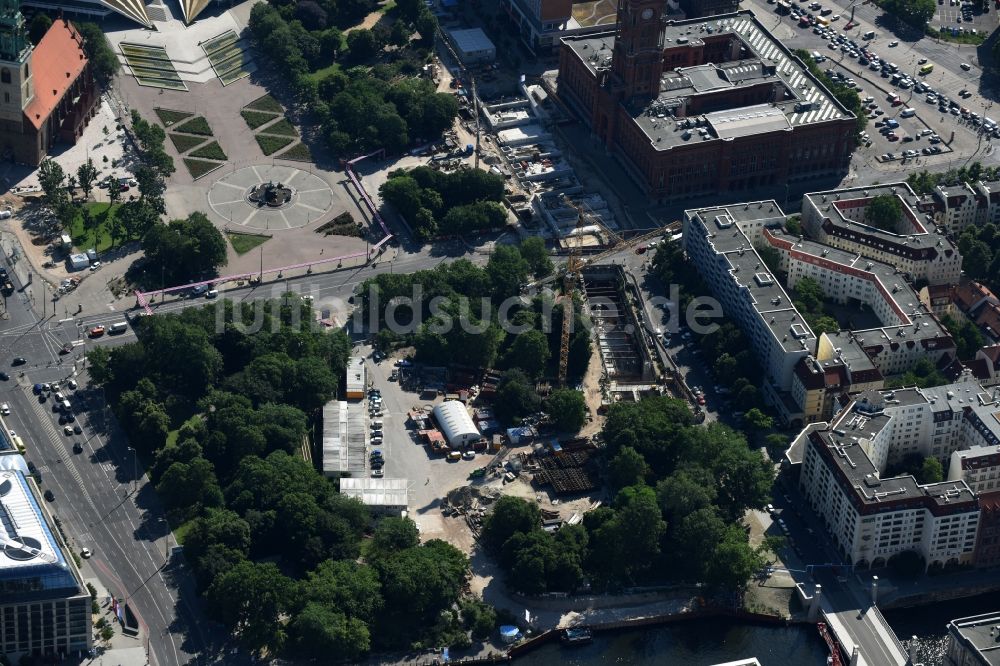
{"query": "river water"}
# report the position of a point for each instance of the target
(706, 642)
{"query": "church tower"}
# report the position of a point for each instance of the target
(637, 60)
(16, 89)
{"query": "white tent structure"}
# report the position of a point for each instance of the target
(456, 424)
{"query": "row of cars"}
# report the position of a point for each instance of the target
(376, 461)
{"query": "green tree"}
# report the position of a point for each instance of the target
(103, 60)
(395, 534)
(362, 45)
(685, 491)
(530, 352)
(507, 271)
(568, 409)
(185, 249)
(809, 294)
(627, 468)
(734, 561)
(515, 396)
(757, 420)
(931, 471)
(319, 632)
(510, 515)
(52, 180)
(884, 211)
(249, 600)
(537, 255)
(39, 25)
(86, 174)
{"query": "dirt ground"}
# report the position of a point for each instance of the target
(592, 394)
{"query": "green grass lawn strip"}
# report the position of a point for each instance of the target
(266, 103)
(257, 118)
(243, 243)
(281, 128)
(272, 144)
(199, 168)
(212, 151)
(197, 125)
(299, 152)
(169, 117)
(185, 142)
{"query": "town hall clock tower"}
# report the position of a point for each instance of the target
(637, 60)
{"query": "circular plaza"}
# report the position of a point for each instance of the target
(270, 197)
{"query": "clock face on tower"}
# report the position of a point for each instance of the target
(647, 14)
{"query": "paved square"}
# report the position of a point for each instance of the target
(312, 198)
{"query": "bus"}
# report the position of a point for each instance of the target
(783, 7)
(926, 69)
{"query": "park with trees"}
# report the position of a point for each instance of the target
(446, 204)
(280, 556)
(363, 88)
(680, 491)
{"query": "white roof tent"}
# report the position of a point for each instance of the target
(456, 424)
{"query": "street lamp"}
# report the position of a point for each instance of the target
(135, 469)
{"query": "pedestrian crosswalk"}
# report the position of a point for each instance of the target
(765, 48)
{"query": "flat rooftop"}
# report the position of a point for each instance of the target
(917, 237)
(769, 299)
(913, 320)
(979, 634)
(765, 64)
(31, 560)
(376, 492)
(843, 443)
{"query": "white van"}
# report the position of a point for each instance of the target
(116, 328)
(211, 293)
(908, 112)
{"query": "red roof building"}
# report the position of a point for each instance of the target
(47, 93)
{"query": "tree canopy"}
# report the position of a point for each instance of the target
(223, 413)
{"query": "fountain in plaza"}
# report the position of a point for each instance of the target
(270, 194)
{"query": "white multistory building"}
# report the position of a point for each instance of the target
(916, 247)
(872, 518)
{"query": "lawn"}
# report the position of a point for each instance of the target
(195, 126)
(281, 128)
(199, 168)
(257, 118)
(243, 243)
(212, 151)
(185, 142)
(299, 152)
(272, 144)
(320, 74)
(97, 236)
(266, 103)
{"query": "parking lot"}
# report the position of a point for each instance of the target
(957, 17)
(431, 476)
(915, 107)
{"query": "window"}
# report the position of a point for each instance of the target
(4, 75)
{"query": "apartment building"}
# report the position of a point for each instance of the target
(44, 603)
(916, 248)
(870, 518)
(716, 243)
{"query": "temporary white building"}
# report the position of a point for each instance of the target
(456, 424)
